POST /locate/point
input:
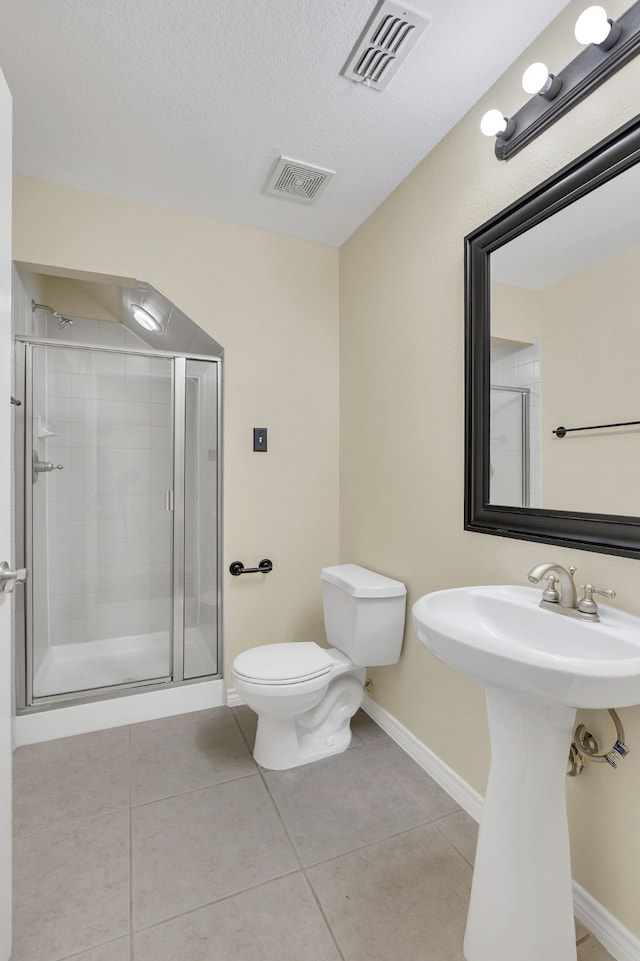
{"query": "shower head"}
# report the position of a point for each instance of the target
(62, 320)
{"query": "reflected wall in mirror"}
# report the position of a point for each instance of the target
(553, 340)
(564, 311)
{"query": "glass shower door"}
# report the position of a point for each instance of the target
(201, 522)
(100, 478)
(509, 446)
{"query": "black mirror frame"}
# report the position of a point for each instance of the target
(604, 533)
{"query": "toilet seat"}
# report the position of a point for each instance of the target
(283, 664)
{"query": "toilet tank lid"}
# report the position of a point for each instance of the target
(360, 582)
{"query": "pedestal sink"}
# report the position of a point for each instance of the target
(537, 667)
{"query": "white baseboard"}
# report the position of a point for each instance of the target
(618, 940)
(233, 698)
(457, 788)
(116, 711)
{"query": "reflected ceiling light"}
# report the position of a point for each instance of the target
(494, 123)
(145, 319)
(593, 26)
(609, 46)
(537, 79)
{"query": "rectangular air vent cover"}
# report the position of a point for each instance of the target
(296, 180)
(390, 33)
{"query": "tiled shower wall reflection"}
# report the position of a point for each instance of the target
(515, 366)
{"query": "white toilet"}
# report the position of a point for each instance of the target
(305, 695)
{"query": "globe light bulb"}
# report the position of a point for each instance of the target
(592, 26)
(535, 77)
(493, 123)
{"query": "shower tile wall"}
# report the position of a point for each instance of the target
(516, 366)
(191, 576)
(201, 522)
(109, 416)
(206, 585)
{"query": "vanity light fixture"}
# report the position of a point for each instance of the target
(493, 123)
(537, 79)
(609, 46)
(593, 26)
(145, 319)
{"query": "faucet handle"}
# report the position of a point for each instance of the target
(550, 593)
(605, 591)
(587, 604)
(572, 569)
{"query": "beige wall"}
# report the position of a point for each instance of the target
(402, 441)
(514, 313)
(272, 302)
(589, 336)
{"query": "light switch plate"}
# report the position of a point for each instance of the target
(260, 438)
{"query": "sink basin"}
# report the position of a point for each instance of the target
(500, 636)
(537, 667)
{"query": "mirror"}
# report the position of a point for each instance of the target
(552, 348)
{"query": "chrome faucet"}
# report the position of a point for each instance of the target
(565, 601)
(568, 597)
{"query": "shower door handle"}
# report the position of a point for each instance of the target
(43, 466)
(9, 578)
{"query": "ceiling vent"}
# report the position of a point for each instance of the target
(299, 181)
(389, 36)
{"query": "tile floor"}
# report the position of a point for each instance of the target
(163, 841)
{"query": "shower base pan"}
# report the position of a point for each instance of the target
(91, 665)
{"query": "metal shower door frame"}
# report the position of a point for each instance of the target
(525, 452)
(25, 701)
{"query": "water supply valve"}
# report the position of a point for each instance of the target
(585, 747)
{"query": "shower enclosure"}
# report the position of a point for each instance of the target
(510, 446)
(120, 503)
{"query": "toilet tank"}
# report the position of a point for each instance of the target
(363, 614)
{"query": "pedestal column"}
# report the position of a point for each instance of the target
(521, 906)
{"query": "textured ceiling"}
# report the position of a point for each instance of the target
(187, 103)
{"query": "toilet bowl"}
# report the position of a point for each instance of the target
(297, 720)
(305, 695)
